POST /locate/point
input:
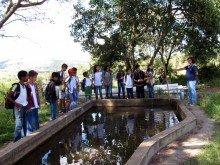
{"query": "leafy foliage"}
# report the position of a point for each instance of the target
(131, 30)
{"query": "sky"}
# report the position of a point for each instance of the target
(43, 39)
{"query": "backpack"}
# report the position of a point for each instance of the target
(7, 103)
(83, 83)
(47, 93)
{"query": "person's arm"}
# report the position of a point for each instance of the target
(179, 69)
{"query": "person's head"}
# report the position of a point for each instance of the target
(86, 74)
(55, 76)
(128, 71)
(149, 67)
(23, 76)
(120, 67)
(64, 67)
(107, 68)
(96, 68)
(74, 71)
(137, 67)
(32, 76)
(191, 60)
(71, 72)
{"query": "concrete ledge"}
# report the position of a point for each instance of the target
(143, 154)
(146, 150)
(16, 151)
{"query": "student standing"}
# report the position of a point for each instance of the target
(61, 83)
(87, 83)
(76, 85)
(139, 81)
(128, 81)
(20, 104)
(33, 103)
(51, 95)
(97, 81)
(150, 80)
(191, 74)
(120, 78)
(107, 81)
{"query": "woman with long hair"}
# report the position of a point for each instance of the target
(150, 80)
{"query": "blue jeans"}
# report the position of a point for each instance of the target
(108, 90)
(20, 123)
(121, 86)
(32, 120)
(192, 92)
(75, 95)
(150, 89)
(98, 88)
(53, 108)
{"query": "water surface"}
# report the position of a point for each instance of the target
(103, 136)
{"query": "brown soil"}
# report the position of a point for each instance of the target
(189, 145)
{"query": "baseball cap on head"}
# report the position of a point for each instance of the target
(71, 71)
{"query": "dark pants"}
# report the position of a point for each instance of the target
(130, 93)
(140, 91)
(98, 90)
(121, 86)
(150, 91)
(108, 91)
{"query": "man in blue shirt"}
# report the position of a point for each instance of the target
(191, 74)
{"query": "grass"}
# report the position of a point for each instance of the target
(211, 153)
(215, 82)
(7, 122)
(211, 104)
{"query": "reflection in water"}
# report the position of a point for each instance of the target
(103, 137)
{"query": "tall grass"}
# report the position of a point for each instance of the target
(211, 105)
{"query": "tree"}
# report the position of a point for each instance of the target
(12, 7)
(166, 26)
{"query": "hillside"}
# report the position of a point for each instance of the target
(10, 67)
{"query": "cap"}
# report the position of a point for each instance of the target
(71, 71)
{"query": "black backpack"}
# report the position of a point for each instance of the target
(83, 83)
(8, 104)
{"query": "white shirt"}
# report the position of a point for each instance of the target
(88, 82)
(33, 90)
(22, 98)
(128, 81)
(98, 78)
(72, 84)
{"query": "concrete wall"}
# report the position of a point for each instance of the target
(146, 150)
(142, 155)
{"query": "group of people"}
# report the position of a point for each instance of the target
(125, 80)
(65, 88)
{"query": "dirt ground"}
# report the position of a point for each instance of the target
(189, 145)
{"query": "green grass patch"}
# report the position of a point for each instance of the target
(6, 126)
(211, 104)
(211, 153)
(215, 82)
(44, 114)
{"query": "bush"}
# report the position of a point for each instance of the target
(208, 73)
(180, 79)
